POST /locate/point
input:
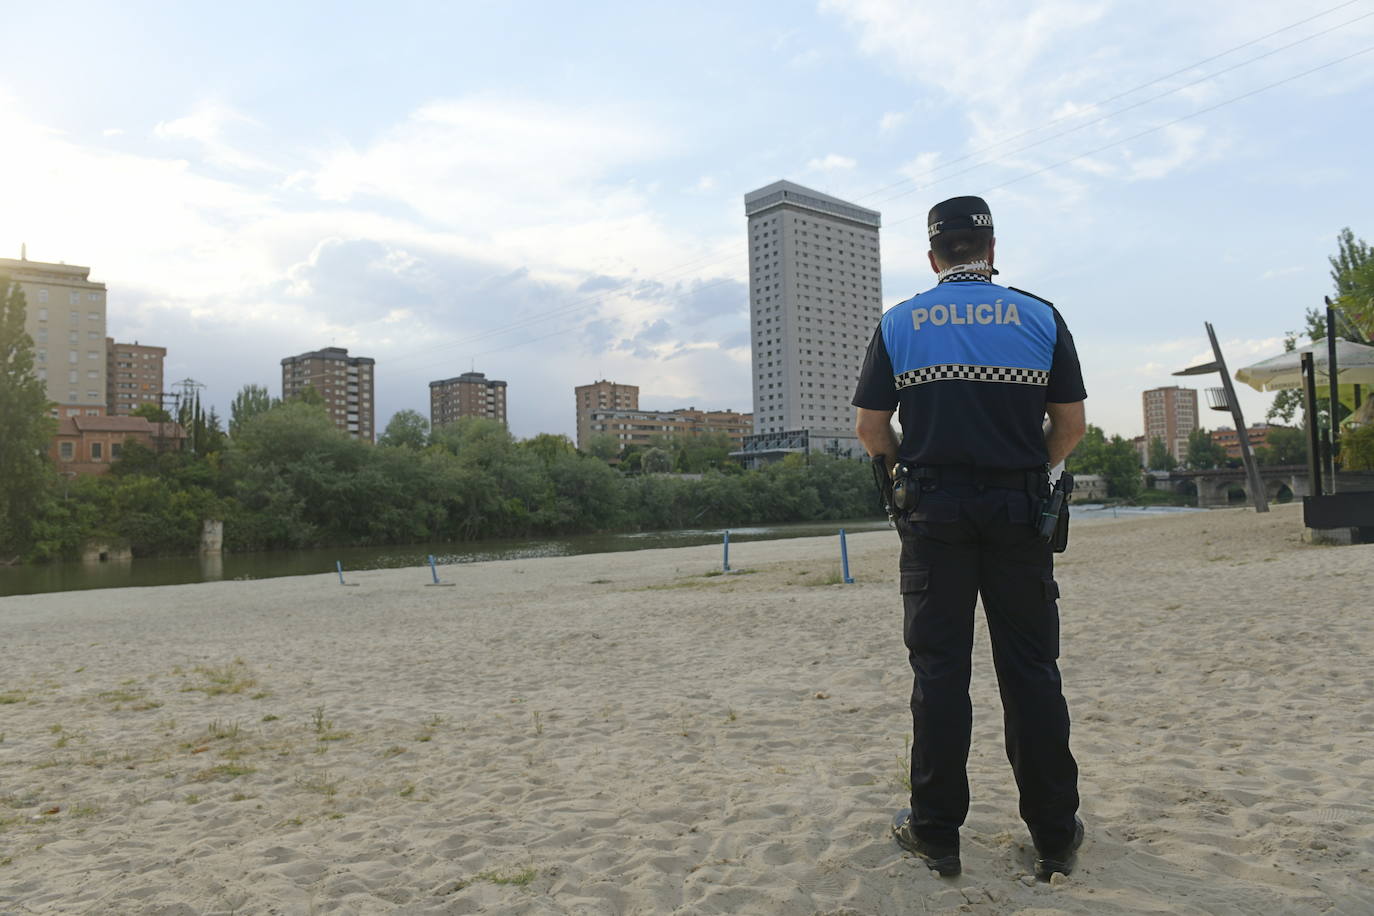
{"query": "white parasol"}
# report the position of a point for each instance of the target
(1354, 366)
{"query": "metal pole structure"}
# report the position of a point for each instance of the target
(1252, 474)
(1314, 441)
(844, 561)
(1335, 391)
(725, 556)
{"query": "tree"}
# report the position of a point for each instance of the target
(26, 429)
(1203, 452)
(1357, 449)
(1121, 467)
(1088, 456)
(550, 447)
(1352, 274)
(1285, 446)
(152, 413)
(309, 395)
(603, 446)
(251, 401)
(656, 461)
(406, 429)
(698, 453)
(1161, 459)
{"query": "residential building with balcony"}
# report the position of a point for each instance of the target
(345, 383)
(471, 394)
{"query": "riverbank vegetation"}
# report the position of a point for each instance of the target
(291, 479)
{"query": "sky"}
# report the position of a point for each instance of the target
(553, 193)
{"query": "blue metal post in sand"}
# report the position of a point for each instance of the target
(844, 559)
(338, 564)
(725, 562)
(433, 571)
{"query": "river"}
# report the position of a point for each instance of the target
(61, 577)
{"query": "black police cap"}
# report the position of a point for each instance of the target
(959, 213)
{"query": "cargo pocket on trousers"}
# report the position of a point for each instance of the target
(915, 587)
(1048, 638)
(915, 581)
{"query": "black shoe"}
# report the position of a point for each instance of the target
(941, 859)
(1047, 862)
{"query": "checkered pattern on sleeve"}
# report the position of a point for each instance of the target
(1009, 375)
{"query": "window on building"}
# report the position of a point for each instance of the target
(116, 449)
(97, 451)
(66, 450)
(43, 297)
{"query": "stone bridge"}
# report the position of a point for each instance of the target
(1229, 486)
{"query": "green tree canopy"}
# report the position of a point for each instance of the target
(152, 413)
(26, 429)
(1115, 460)
(1203, 452)
(656, 461)
(251, 401)
(406, 429)
(603, 446)
(1160, 458)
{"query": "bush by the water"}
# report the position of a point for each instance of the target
(290, 479)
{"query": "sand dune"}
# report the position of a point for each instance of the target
(623, 733)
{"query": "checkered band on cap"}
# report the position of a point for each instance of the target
(1010, 375)
(971, 221)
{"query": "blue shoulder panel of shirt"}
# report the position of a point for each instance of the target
(975, 324)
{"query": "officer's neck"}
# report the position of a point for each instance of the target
(972, 270)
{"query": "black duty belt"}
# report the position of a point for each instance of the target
(1031, 480)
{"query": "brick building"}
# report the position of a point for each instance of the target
(650, 427)
(1170, 414)
(1258, 435)
(345, 382)
(87, 445)
(471, 394)
(133, 375)
(602, 395)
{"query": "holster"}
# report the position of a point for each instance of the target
(906, 488)
(1052, 521)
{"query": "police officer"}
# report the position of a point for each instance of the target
(972, 369)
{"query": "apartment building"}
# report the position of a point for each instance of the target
(815, 297)
(65, 316)
(630, 426)
(345, 382)
(601, 395)
(1170, 414)
(471, 394)
(133, 375)
(1258, 434)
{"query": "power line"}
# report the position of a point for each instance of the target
(1108, 116)
(1159, 127)
(1120, 95)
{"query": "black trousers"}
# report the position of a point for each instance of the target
(962, 541)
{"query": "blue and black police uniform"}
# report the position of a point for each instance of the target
(969, 366)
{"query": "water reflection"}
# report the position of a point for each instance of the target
(58, 577)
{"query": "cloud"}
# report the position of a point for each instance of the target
(830, 163)
(208, 125)
(890, 121)
(504, 232)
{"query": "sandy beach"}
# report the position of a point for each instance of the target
(627, 733)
